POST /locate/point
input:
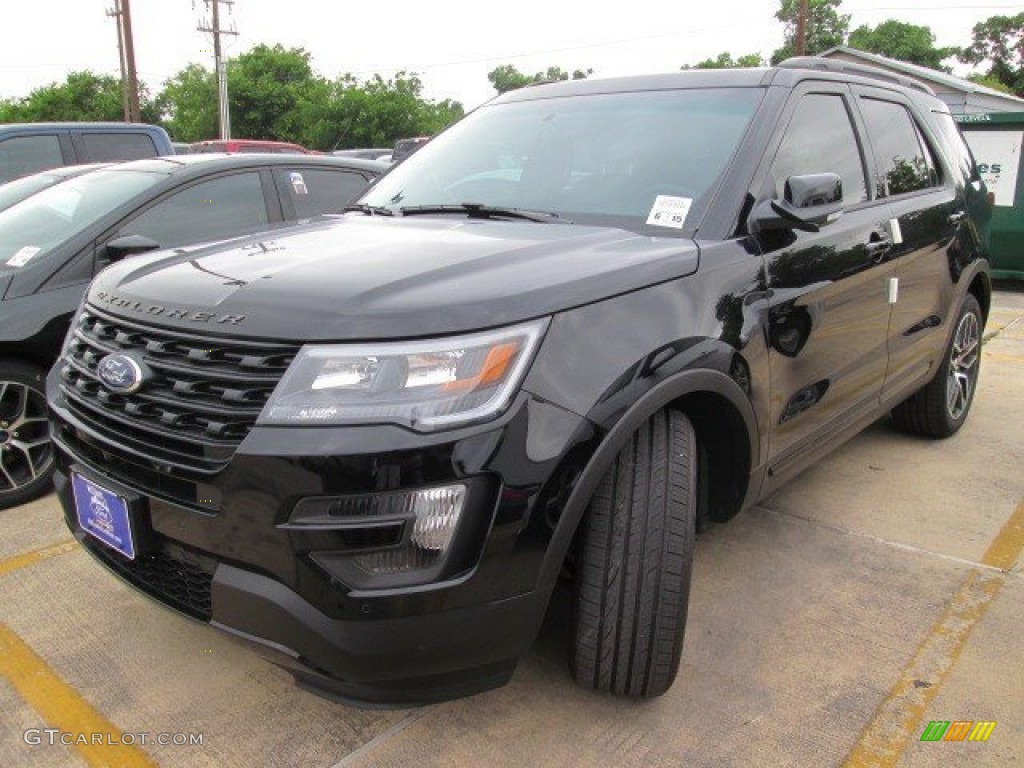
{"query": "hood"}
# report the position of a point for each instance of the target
(361, 278)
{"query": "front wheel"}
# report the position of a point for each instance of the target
(633, 579)
(26, 453)
(940, 408)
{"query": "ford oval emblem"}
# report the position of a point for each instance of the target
(120, 373)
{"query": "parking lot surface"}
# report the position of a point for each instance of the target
(878, 592)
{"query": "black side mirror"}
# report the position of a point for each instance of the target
(127, 245)
(810, 202)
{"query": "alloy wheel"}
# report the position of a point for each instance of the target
(963, 366)
(25, 449)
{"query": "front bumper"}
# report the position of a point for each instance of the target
(221, 549)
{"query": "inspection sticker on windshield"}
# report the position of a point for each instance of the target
(669, 211)
(298, 184)
(23, 257)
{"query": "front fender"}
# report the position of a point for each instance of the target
(661, 395)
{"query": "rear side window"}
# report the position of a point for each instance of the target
(313, 192)
(905, 164)
(211, 210)
(117, 147)
(820, 139)
(22, 155)
(957, 146)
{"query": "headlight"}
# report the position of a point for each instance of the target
(425, 385)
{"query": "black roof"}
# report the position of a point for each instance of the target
(787, 74)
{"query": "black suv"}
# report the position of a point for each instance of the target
(553, 343)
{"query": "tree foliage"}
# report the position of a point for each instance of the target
(999, 42)
(726, 61)
(273, 93)
(905, 42)
(826, 27)
(83, 96)
(507, 78)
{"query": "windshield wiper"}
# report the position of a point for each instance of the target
(481, 211)
(369, 210)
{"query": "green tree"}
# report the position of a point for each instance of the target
(507, 78)
(188, 103)
(726, 61)
(83, 96)
(275, 94)
(905, 42)
(268, 89)
(990, 82)
(826, 27)
(999, 42)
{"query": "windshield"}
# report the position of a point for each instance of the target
(15, 191)
(645, 161)
(31, 229)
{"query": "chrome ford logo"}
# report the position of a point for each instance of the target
(120, 373)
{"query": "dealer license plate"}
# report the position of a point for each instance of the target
(104, 515)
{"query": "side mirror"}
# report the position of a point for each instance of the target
(127, 245)
(810, 202)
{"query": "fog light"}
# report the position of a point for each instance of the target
(436, 513)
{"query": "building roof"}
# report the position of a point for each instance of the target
(931, 76)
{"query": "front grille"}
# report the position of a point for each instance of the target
(173, 575)
(202, 398)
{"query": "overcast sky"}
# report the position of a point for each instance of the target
(452, 44)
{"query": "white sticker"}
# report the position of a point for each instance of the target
(669, 211)
(298, 183)
(23, 257)
(897, 233)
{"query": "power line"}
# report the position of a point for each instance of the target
(214, 27)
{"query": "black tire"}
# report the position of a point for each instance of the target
(26, 453)
(635, 561)
(940, 408)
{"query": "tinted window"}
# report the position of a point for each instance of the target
(904, 163)
(820, 139)
(117, 147)
(956, 146)
(22, 155)
(31, 229)
(637, 160)
(210, 210)
(313, 192)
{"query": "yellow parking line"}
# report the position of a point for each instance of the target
(31, 558)
(64, 709)
(899, 716)
(1006, 548)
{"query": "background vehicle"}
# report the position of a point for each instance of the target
(52, 244)
(249, 145)
(405, 147)
(15, 191)
(370, 153)
(575, 327)
(32, 147)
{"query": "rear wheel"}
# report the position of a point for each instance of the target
(633, 580)
(940, 408)
(26, 454)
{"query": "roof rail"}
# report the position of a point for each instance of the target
(850, 68)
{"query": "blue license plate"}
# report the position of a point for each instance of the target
(104, 515)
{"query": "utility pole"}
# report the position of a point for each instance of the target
(122, 13)
(220, 66)
(801, 28)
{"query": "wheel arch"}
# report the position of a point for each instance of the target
(726, 428)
